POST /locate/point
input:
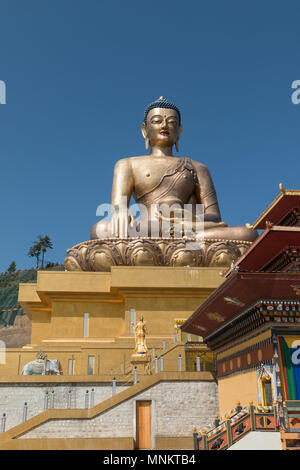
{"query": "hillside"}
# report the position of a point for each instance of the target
(15, 326)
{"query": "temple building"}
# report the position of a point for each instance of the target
(252, 321)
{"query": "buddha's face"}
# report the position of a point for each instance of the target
(162, 128)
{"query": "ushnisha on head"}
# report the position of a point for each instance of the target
(162, 125)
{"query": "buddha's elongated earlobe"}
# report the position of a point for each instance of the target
(146, 143)
(176, 145)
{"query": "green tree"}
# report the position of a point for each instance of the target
(46, 244)
(35, 252)
(39, 249)
(12, 267)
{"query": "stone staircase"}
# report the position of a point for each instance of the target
(26, 434)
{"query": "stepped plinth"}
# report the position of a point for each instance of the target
(142, 363)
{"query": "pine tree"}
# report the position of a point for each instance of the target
(39, 248)
(12, 267)
(35, 252)
(46, 244)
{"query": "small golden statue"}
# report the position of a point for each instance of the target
(140, 358)
(140, 332)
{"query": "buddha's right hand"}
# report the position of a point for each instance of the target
(122, 218)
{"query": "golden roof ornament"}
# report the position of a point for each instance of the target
(269, 224)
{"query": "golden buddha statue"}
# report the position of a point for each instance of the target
(160, 178)
(164, 181)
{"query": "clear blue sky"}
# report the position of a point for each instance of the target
(79, 74)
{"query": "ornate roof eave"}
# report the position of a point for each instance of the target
(252, 307)
(237, 295)
(252, 259)
(266, 216)
(215, 294)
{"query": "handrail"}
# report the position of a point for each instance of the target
(129, 372)
(290, 431)
(163, 353)
(237, 423)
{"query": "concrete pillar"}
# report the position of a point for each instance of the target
(179, 363)
(114, 386)
(86, 399)
(135, 375)
(198, 365)
(3, 421)
(25, 410)
(92, 398)
(156, 365)
(69, 398)
(46, 401)
(52, 399)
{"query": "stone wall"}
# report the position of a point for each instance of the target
(18, 334)
(13, 396)
(177, 407)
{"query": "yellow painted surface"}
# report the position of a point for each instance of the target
(167, 376)
(160, 312)
(240, 387)
(108, 359)
(28, 293)
(120, 443)
(41, 322)
(165, 277)
(28, 298)
(174, 443)
(106, 320)
(58, 301)
(52, 282)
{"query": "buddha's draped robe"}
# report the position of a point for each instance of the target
(179, 185)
